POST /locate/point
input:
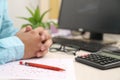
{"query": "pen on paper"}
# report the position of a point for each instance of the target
(41, 66)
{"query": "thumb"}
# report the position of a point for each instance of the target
(28, 28)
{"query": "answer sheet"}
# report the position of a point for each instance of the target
(14, 70)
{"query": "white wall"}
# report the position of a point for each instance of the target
(17, 8)
(44, 5)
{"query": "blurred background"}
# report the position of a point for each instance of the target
(18, 8)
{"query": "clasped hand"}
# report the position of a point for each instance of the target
(36, 41)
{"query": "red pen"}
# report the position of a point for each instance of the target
(41, 66)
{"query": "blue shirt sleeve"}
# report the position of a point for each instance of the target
(11, 47)
(7, 28)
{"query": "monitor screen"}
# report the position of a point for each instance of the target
(94, 16)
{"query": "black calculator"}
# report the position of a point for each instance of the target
(102, 60)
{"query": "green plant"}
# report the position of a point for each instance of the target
(36, 19)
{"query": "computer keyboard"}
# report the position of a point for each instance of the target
(99, 61)
(79, 44)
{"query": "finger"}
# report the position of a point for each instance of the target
(21, 31)
(49, 43)
(41, 53)
(28, 28)
(39, 30)
(46, 45)
(44, 53)
(43, 47)
(46, 34)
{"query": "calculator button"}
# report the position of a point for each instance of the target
(99, 61)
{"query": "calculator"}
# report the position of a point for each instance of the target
(102, 60)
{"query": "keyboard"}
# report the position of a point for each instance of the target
(79, 44)
(99, 61)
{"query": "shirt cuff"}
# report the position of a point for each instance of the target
(19, 48)
(15, 46)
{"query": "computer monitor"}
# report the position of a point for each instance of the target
(95, 16)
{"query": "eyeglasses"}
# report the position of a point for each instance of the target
(63, 48)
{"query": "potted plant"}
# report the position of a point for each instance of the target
(36, 19)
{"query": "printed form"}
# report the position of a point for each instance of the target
(14, 70)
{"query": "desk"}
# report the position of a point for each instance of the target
(84, 72)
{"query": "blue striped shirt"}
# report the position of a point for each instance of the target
(11, 47)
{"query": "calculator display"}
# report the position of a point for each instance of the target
(110, 55)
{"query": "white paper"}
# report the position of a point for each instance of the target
(14, 70)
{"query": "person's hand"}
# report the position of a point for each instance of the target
(33, 41)
(46, 43)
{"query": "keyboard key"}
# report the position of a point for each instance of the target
(79, 44)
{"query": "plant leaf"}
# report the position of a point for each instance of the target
(37, 14)
(32, 20)
(25, 25)
(36, 18)
(30, 11)
(42, 15)
(23, 18)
